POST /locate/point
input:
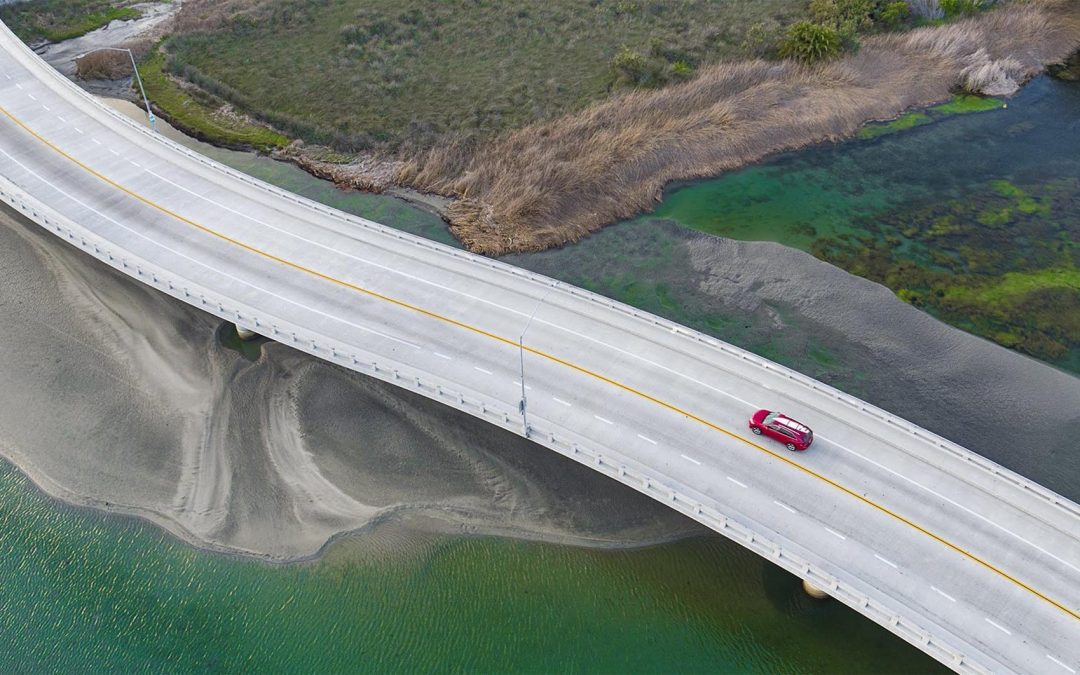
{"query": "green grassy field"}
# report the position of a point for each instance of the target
(364, 73)
(59, 20)
(199, 114)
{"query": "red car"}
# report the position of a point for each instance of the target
(776, 425)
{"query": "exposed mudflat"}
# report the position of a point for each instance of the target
(117, 396)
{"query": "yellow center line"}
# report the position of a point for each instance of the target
(545, 355)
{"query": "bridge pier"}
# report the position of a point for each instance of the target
(245, 333)
(813, 591)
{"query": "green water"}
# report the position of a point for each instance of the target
(81, 591)
(973, 217)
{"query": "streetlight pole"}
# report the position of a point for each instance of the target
(138, 78)
(523, 404)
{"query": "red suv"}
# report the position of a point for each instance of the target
(784, 429)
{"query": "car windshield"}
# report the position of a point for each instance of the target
(770, 418)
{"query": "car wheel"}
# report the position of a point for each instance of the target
(791, 447)
(756, 430)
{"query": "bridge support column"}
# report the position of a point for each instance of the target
(245, 333)
(813, 591)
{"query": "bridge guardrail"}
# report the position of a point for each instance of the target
(786, 554)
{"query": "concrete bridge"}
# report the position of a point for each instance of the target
(968, 561)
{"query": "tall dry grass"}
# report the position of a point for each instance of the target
(553, 183)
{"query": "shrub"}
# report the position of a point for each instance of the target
(630, 66)
(681, 70)
(847, 17)
(894, 13)
(809, 42)
(953, 8)
(762, 38)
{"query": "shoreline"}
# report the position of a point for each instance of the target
(403, 516)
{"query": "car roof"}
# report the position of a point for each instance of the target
(791, 424)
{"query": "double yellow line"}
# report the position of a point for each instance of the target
(563, 362)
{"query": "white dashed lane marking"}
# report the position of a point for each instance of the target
(997, 625)
(887, 562)
(561, 402)
(835, 533)
(1060, 663)
(603, 419)
(483, 370)
(690, 459)
(742, 485)
(942, 593)
(442, 356)
(784, 506)
(646, 438)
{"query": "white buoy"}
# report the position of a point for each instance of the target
(245, 334)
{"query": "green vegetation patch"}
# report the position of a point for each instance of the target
(960, 105)
(381, 73)
(59, 20)
(194, 111)
(1002, 263)
(968, 103)
(902, 123)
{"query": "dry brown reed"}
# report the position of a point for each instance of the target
(110, 65)
(553, 183)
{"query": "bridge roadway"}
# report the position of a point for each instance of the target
(966, 560)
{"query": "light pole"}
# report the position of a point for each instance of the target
(523, 404)
(135, 69)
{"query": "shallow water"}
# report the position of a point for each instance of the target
(82, 591)
(974, 217)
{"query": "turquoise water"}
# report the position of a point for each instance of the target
(81, 591)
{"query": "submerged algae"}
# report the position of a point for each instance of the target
(972, 218)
